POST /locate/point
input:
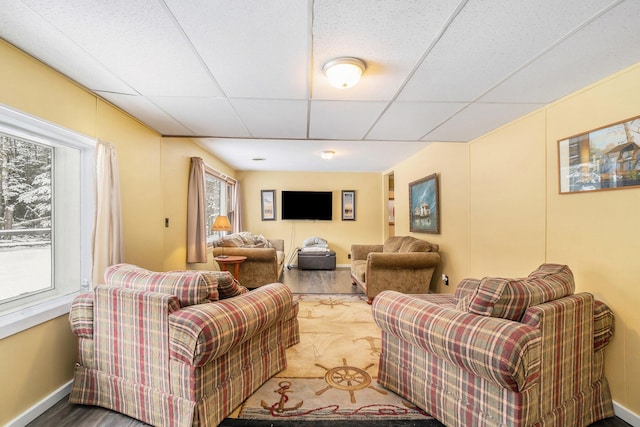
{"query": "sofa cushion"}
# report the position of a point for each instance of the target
(229, 287)
(190, 287)
(404, 244)
(359, 269)
(244, 239)
(510, 298)
(464, 293)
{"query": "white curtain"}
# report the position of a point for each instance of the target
(107, 231)
(237, 209)
(196, 213)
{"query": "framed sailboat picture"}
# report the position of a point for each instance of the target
(424, 203)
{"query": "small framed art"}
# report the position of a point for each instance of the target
(348, 205)
(268, 205)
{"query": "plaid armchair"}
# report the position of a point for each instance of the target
(178, 348)
(500, 352)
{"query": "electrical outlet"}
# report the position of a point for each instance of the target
(349, 256)
(445, 279)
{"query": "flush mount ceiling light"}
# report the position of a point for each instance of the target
(327, 155)
(344, 72)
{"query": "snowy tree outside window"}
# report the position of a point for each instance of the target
(25, 217)
(218, 193)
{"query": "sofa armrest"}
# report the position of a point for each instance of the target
(386, 260)
(81, 315)
(502, 351)
(201, 333)
(252, 254)
(360, 252)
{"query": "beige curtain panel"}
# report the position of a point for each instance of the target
(196, 217)
(107, 228)
(237, 209)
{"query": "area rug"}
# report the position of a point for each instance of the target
(331, 374)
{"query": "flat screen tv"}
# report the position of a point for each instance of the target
(314, 205)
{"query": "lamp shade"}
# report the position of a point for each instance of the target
(344, 72)
(221, 224)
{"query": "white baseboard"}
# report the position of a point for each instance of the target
(41, 407)
(626, 415)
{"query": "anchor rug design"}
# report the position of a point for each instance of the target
(331, 373)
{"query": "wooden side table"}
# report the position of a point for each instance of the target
(227, 260)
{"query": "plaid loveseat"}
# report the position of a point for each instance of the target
(178, 348)
(500, 352)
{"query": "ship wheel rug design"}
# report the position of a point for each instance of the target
(331, 373)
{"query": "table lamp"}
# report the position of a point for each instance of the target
(221, 224)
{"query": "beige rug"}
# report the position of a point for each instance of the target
(331, 373)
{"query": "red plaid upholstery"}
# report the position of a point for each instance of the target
(510, 298)
(467, 369)
(143, 354)
(190, 287)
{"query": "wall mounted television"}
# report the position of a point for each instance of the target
(313, 205)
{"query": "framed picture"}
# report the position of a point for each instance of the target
(348, 205)
(268, 205)
(424, 204)
(606, 158)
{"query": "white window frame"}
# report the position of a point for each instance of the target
(34, 129)
(227, 205)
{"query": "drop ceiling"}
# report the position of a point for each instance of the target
(244, 78)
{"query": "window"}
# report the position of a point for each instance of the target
(46, 216)
(219, 191)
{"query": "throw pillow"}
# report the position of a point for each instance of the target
(190, 287)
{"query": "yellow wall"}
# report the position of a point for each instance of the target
(370, 209)
(36, 362)
(176, 161)
(451, 163)
(502, 213)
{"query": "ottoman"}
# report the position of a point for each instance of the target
(317, 260)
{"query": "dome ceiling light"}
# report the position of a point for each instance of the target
(344, 72)
(327, 155)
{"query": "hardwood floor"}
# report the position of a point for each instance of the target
(63, 414)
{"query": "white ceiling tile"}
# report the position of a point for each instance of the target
(410, 121)
(343, 120)
(148, 113)
(162, 61)
(304, 155)
(271, 118)
(389, 36)
(204, 116)
(593, 50)
(478, 119)
(23, 27)
(254, 48)
(489, 40)
(137, 41)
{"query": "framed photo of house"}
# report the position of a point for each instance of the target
(348, 205)
(606, 158)
(424, 204)
(268, 205)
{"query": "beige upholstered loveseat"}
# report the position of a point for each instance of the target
(179, 348)
(265, 257)
(404, 264)
(500, 352)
